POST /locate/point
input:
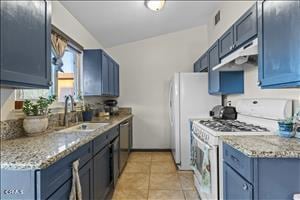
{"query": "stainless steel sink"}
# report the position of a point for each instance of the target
(89, 127)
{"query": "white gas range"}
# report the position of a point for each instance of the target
(255, 117)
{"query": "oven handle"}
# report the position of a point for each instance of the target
(202, 143)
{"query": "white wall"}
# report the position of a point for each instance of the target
(230, 12)
(63, 20)
(145, 70)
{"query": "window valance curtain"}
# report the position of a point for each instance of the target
(59, 45)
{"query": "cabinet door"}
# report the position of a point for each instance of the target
(111, 78)
(116, 80)
(63, 192)
(246, 27)
(214, 76)
(92, 72)
(235, 187)
(25, 44)
(226, 42)
(204, 63)
(197, 66)
(102, 174)
(86, 181)
(279, 49)
(105, 74)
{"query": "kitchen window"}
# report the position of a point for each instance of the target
(65, 83)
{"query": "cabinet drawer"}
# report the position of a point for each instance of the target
(100, 142)
(238, 161)
(55, 175)
(113, 133)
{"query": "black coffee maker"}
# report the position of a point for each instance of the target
(111, 106)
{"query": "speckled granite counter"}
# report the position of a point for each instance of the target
(265, 146)
(42, 151)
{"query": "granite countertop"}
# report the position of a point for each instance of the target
(265, 146)
(39, 152)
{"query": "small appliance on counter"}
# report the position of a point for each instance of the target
(223, 112)
(111, 106)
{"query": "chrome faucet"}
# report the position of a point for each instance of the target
(66, 121)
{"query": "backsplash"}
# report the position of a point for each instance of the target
(13, 128)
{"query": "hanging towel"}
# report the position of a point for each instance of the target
(76, 187)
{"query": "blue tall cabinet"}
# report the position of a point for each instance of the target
(100, 74)
(25, 44)
(279, 49)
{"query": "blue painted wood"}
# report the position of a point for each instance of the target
(213, 76)
(63, 191)
(105, 74)
(99, 74)
(56, 174)
(246, 27)
(271, 178)
(197, 66)
(231, 82)
(25, 44)
(86, 180)
(238, 161)
(116, 160)
(204, 64)
(92, 72)
(116, 79)
(111, 78)
(226, 42)
(235, 186)
(279, 58)
(102, 178)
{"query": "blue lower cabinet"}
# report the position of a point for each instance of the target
(102, 176)
(86, 180)
(235, 186)
(63, 192)
(259, 178)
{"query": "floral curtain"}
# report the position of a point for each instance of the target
(59, 45)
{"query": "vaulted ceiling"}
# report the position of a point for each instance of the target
(114, 23)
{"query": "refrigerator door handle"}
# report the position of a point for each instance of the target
(170, 102)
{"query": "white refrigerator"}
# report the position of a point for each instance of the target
(188, 99)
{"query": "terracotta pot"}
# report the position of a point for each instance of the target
(35, 125)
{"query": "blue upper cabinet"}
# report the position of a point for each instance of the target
(116, 79)
(226, 42)
(25, 44)
(223, 82)
(197, 66)
(246, 27)
(214, 78)
(279, 49)
(243, 30)
(201, 65)
(100, 76)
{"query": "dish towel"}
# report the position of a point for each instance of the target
(76, 187)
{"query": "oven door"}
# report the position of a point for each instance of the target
(205, 166)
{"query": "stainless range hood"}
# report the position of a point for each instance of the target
(237, 60)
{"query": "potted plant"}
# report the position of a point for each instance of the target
(286, 127)
(36, 120)
(87, 113)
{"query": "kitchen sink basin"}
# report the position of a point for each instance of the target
(85, 127)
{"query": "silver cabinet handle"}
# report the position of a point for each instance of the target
(258, 83)
(126, 124)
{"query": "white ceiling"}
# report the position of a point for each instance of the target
(118, 22)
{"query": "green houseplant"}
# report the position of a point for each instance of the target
(36, 120)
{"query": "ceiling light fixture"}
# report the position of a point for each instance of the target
(155, 5)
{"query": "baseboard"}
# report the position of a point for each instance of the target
(150, 150)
